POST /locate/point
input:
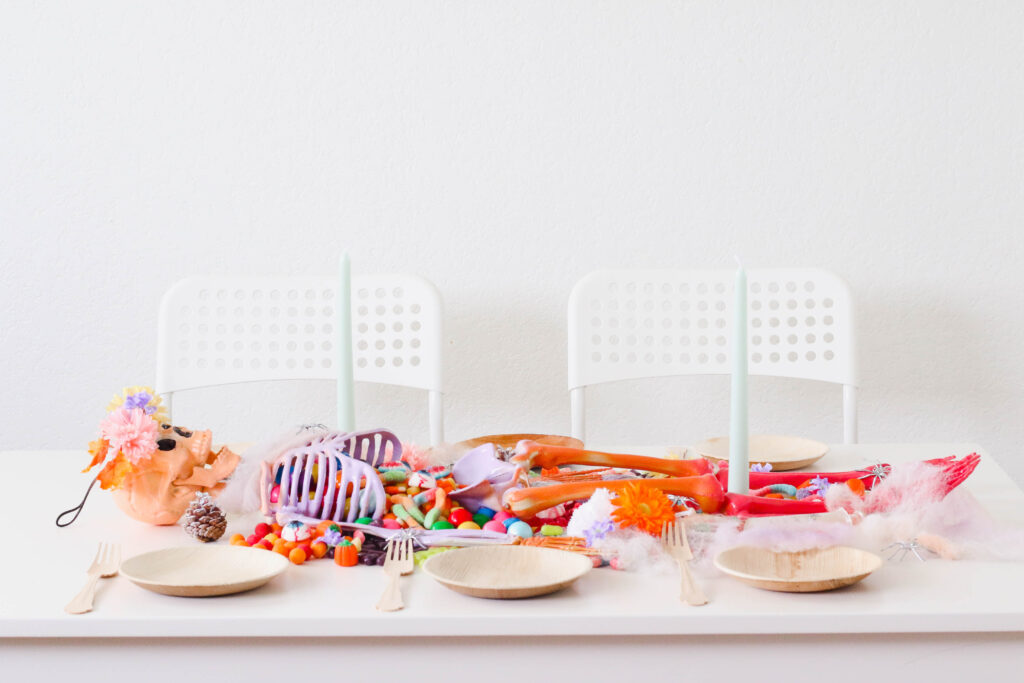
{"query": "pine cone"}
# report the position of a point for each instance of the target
(204, 520)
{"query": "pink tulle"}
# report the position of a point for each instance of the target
(130, 431)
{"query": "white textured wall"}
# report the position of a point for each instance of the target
(503, 150)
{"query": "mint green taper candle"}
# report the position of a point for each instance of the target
(739, 451)
(346, 402)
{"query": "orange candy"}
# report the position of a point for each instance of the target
(272, 537)
(238, 539)
(319, 549)
(297, 556)
(856, 485)
(276, 528)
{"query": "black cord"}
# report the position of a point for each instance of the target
(78, 508)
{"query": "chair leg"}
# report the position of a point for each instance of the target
(167, 403)
(849, 413)
(578, 412)
(435, 409)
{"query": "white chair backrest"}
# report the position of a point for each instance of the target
(225, 330)
(630, 324)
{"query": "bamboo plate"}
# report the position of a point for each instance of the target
(808, 571)
(506, 571)
(204, 571)
(781, 452)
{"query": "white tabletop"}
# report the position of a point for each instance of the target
(45, 566)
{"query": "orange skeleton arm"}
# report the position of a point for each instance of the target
(530, 454)
(527, 502)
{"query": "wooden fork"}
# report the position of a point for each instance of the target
(673, 537)
(104, 565)
(398, 562)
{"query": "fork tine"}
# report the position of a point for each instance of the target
(664, 533)
(407, 555)
(99, 556)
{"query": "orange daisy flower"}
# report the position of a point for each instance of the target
(642, 508)
(114, 472)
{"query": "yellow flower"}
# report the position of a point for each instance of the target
(154, 405)
(643, 508)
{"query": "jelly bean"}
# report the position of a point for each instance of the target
(552, 530)
(488, 512)
(856, 485)
(319, 549)
(275, 493)
(391, 524)
(272, 537)
(237, 539)
(481, 519)
(509, 521)
(262, 529)
(494, 526)
(442, 524)
(364, 520)
(297, 556)
(520, 529)
(502, 516)
(469, 525)
(460, 515)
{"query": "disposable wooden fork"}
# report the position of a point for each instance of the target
(104, 565)
(398, 562)
(673, 537)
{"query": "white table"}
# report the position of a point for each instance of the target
(908, 620)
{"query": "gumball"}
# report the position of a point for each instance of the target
(442, 524)
(494, 526)
(459, 516)
(469, 525)
(502, 516)
(481, 519)
(297, 556)
(262, 529)
(520, 529)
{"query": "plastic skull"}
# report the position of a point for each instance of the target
(182, 466)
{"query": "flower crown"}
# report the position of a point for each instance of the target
(128, 435)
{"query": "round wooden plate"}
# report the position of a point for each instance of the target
(506, 571)
(203, 571)
(781, 452)
(807, 571)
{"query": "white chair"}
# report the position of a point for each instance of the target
(631, 324)
(225, 330)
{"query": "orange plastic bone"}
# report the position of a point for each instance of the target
(530, 454)
(527, 502)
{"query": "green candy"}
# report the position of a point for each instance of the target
(442, 524)
(551, 530)
(364, 520)
(481, 519)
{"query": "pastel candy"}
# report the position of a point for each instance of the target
(494, 526)
(551, 530)
(520, 529)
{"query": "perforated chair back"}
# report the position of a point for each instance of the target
(631, 324)
(225, 330)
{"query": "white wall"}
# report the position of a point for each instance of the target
(503, 150)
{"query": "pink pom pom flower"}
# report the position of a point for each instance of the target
(131, 431)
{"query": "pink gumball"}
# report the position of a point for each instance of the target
(495, 526)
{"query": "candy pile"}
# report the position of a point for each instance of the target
(421, 499)
(814, 487)
(301, 542)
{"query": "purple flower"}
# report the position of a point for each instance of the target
(761, 467)
(332, 538)
(140, 400)
(597, 531)
(821, 484)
